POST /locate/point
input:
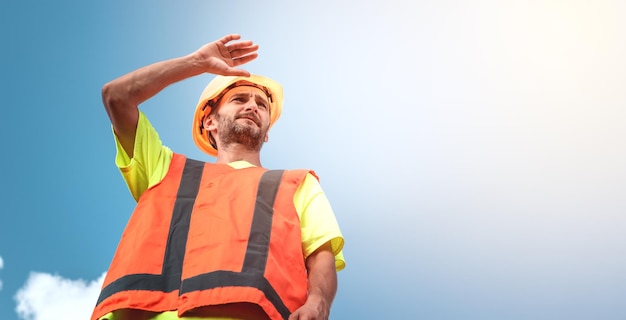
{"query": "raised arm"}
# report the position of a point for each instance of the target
(122, 96)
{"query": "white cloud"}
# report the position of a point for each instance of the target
(46, 297)
(1, 266)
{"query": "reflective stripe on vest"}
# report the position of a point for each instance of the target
(177, 239)
(254, 262)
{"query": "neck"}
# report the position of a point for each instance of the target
(236, 152)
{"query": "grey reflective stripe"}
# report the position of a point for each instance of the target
(176, 241)
(261, 229)
(179, 226)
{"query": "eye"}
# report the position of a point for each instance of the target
(261, 103)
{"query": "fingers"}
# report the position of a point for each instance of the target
(240, 48)
(237, 61)
(240, 45)
(227, 38)
(224, 56)
(244, 51)
(245, 46)
(243, 56)
(235, 72)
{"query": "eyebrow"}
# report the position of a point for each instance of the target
(256, 96)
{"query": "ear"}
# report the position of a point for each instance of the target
(209, 123)
(267, 137)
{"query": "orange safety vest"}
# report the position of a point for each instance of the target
(209, 234)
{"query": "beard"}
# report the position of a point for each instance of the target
(233, 132)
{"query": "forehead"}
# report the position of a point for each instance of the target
(247, 90)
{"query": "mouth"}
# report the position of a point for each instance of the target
(250, 118)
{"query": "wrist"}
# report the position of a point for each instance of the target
(195, 61)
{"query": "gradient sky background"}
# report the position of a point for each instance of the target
(474, 152)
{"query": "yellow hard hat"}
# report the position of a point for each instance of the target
(216, 88)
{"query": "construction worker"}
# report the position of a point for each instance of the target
(222, 240)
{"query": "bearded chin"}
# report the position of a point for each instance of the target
(235, 133)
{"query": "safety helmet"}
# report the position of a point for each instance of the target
(217, 88)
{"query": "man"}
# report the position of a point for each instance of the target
(223, 240)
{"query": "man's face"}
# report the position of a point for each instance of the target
(243, 117)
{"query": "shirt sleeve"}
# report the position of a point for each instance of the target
(317, 220)
(150, 160)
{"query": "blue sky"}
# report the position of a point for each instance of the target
(474, 152)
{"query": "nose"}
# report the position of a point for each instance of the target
(251, 106)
